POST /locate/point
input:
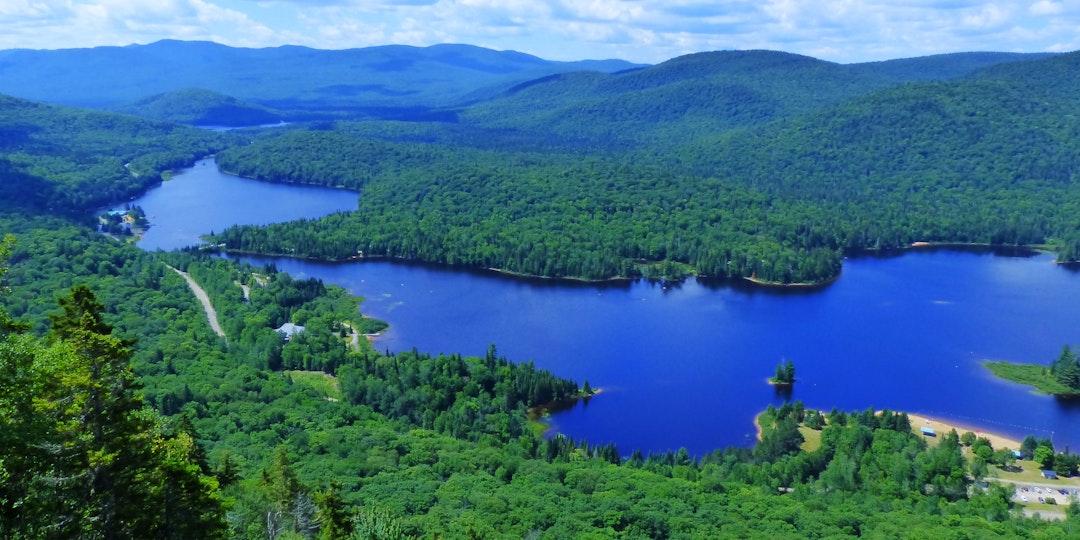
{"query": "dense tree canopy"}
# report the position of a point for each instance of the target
(985, 159)
(402, 445)
(70, 159)
(124, 415)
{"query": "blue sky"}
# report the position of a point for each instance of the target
(637, 30)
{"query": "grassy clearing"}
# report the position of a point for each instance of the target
(813, 439)
(766, 423)
(1031, 474)
(1045, 509)
(325, 385)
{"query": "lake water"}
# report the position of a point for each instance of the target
(200, 200)
(686, 365)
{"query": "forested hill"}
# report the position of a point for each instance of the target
(198, 107)
(984, 158)
(991, 158)
(67, 159)
(281, 77)
(941, 67)
(698, 94)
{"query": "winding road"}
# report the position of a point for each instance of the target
(211, 315)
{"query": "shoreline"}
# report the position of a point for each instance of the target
(941, 427)
(541, 411)
(797, 285)
(1033, 376)
(1034, 248)
(804, 285)
(997, 440)
(221, 248)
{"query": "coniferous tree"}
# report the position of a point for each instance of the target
(333, 514)
(103, 438)
(1028, 446)
(288, 499)
(87, 458)
(1066, 368)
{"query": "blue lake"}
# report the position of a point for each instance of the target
(200, 200)
(685, 365)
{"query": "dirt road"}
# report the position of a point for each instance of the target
(211, 315)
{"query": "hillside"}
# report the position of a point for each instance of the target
(197, 107)
(985, 158)
(941, 67)
(74, 159)
(698, 94)
(287, 77)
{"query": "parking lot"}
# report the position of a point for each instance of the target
(1041, 494)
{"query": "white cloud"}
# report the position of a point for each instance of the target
(641, 30)
(10, 9)
(1046, 7)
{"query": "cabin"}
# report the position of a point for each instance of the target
(929, 432)
(288, 330)
(1049, 475)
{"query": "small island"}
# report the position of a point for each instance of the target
(1061, 378)
(785, 374)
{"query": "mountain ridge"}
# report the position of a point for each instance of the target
(389, 75)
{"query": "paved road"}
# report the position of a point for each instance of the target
(211, 315)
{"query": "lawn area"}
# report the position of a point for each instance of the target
(1046, 509)
(1031, 474)
(813, 439)
(325, 384)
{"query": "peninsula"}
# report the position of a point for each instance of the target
(1061, 378)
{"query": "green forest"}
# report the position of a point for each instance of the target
(124, 415)
(71, 160)
(203, 436)
(987, 158)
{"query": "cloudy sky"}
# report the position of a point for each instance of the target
(638, 30)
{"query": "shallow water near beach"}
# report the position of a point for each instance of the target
(685, 365)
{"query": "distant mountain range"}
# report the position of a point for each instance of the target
(209, 83)
(288, 77)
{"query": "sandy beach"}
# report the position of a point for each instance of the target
(941, 428)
